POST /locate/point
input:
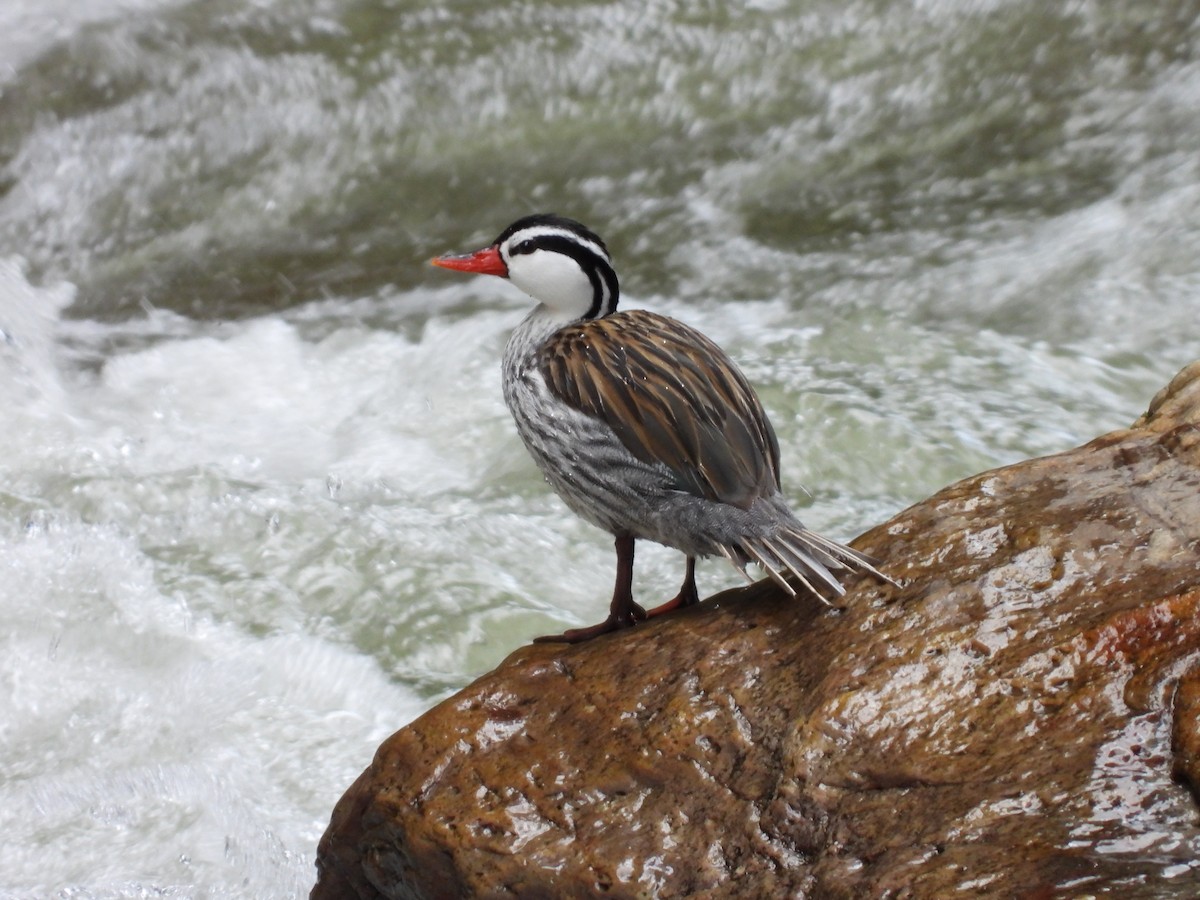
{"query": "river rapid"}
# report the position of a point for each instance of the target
(260, 501)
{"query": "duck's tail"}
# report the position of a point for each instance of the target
(806, 556)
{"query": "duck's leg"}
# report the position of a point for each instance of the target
(622, 612)
(687, 596)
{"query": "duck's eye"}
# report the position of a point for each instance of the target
(526, 246)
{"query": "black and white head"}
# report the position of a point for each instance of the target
(555, 260)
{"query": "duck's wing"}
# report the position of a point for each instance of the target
(671, 396)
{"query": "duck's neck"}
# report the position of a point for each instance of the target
(535, 329)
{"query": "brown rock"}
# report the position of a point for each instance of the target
(1022, 719)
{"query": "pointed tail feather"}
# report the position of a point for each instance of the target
(854, 560)
(803, 555)
(807, 557)
(800, 564)
(739, 564)
(763, 556)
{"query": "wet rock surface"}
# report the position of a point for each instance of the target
(1022, 718)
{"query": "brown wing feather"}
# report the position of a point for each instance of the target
(672, 396)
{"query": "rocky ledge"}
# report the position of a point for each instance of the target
(1021, 719)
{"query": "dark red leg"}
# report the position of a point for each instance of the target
(686, 597)
(622, 612)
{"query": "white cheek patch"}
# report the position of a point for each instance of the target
(550, 231)
(554, 279)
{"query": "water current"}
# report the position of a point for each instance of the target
(260, 501)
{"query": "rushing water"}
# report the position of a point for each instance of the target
(261, 502)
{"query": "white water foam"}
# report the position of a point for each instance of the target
(152, 741)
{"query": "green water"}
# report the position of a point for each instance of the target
(254, 453)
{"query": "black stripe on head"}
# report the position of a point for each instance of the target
(551, 220)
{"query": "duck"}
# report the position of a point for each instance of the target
(644, 426)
